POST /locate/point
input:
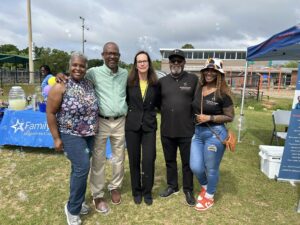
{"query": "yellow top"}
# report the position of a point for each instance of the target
(143, 86)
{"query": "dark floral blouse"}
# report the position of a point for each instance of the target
(79, 111)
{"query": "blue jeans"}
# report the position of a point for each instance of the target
(78, 150)
(206, 155)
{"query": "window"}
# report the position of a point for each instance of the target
(288, 79)
(219, 55)
(230, 55)
(241, 55)
(198, 55)
(208, 55)
(188, 55)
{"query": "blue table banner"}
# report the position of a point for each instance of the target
(25, 128)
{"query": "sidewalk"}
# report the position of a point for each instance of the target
(281, 93)
(275, 93)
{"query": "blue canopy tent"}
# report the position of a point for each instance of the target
(282, 46)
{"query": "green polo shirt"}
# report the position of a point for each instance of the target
(110, 90)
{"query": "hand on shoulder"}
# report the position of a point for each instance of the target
(61, 78)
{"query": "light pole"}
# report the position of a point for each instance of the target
(31, 66)
(83, 27)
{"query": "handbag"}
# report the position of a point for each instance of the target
(230, 141)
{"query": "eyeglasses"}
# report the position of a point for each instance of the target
(142, 62)
(112, 54)
(173, 61)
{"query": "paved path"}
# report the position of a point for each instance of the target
(281, 93)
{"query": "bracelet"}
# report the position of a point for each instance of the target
(212, 118)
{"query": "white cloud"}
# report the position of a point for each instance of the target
(147, 25)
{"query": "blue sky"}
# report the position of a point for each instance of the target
(147, 25)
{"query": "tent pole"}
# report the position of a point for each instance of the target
(242, 104)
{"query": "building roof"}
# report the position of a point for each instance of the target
(5, 58)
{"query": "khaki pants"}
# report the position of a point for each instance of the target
(115, 130)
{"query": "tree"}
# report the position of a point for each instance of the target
(156, 64)
(56, 59)
(188, 46)
(291, 64)
(24, 52)
(9, 49)
(125, 65)
(95, 62)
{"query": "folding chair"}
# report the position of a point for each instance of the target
(280, 117)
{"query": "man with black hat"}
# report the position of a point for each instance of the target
(176, 93)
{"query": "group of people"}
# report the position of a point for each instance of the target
(90, 106)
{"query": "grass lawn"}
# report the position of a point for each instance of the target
(34, 188)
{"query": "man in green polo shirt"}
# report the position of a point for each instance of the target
(110, 85)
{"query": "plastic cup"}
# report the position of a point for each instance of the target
(42, 106)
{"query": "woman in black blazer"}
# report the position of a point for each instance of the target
(140, 127)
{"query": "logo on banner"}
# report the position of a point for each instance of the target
(29, 127)
(18, 126)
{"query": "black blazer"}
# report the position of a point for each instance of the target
(141, 114)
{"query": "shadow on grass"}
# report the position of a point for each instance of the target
(227, 184)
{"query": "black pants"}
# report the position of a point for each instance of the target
(141, 147)
(170, 146)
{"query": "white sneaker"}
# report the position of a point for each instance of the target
(72, 219)
(85, 209)
(201, 194)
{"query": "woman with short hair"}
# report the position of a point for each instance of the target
(72, 115)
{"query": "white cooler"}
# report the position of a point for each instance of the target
(270, 159)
